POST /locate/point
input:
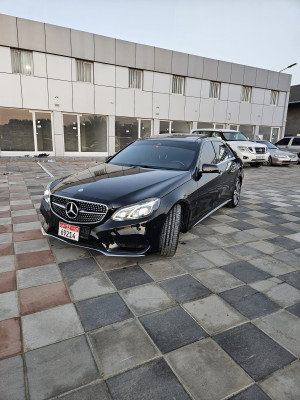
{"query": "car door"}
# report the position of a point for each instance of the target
(283, 143)
(295, 145)
(205, 198)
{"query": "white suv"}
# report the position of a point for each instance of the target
(249, 152)
(290, 143)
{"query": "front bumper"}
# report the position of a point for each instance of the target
(112, 238)
(282, 161)
(252, 158)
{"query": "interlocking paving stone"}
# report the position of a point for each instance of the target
(36, 276)
(293, 278)
(249, 302)
(284, 384)
(219, 257)
(146, 299)
(214, 314)
(260, 233)
(109, 263)
(78, 268)
(289, 257)
(10, 338)
(284, 242)
(9, 305)
(12, 384)
(125, 278)
(90, 286)
(7, 263)
(101, 311)
(70, 253)
(207, 371)
(218, 280)
(30, 246)
(34, 259)
(265, 285)
(5, 238)
(199, 245)
(241, 225)
(284, 294)
(295, 236)
(8, 282)
(27, 235)
(184, 288)
(244, 251)
(284, 328)
(252, 393)
(246, 272)
(6, 249)
(163, 269)
(153, 380)
(172, 328)
(26, 226)
(253, 350)
(193, 262)
(121, 346)
(295, 309)
(272, 266)
(266, 247)
(60, 367)
(97, 391)
(50, 326)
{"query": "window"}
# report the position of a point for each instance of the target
(283, 142)
(214, 92)
(204, 125)
(248, 131)
(43, 131)
(135, 79)
(246, 94)
(84, 71)
(222, 152)
(126, 131)
(296, 142)
(274, 98)
(234, 127)
(21, 61)
(70, 132)
(208, 155)
(177, 84)
(16, 130)
(164, 127)
(181, 127)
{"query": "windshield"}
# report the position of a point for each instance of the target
(160, 154)
(269, 145)
(234, 136)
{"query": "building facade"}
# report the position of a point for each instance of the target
(70, 93)
(293, 114)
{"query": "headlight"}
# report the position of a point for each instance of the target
(139, 210)
(47, 193)
(280, 155)
(243, 148)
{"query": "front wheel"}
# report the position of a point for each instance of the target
(256, 164)
(235, 199)
(269, 162)
(170, 233)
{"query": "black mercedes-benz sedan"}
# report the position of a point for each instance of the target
(140, 199)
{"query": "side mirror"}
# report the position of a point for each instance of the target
(210, 169)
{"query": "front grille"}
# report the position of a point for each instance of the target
(260, 150)
(88, 212)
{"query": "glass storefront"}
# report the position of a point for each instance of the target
(93, 133)
(16, 130)
(146, 128)
(269, 133)
(164, 127)
(43, 131)
(247, 130)
(205, 125)
(127, 130)
(70, 132)
(181, 127)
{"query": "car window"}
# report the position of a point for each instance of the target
(203, 133)
(234, 136)
(296, 142)
(216, 134)
(283, 142)
(208, 155)
(222, 152)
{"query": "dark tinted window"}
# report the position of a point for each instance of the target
(283, 142)
(296, 142)
(162, 154)
(208, 155)
(222, 152)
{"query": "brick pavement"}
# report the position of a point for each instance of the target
(219, 320)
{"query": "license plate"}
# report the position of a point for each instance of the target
(68, 231)
(260, 157)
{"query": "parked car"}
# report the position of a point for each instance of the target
(139, 200)
(248, 151)
(290, 143)
(277, 156)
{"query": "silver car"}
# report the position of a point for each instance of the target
(277, 156)
(290, 143)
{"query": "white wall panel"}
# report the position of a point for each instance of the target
(192, 105)
(125, 102)
(105, 100)
(60, 95)
(220, 110)
(281, 99)
(258, 96)
(122, 77)
(278, 116)
(59, 67)
(245, 113)
(39, 65)
(143, 104)
(267, 116)
(256, 114)
(177, 104)
(104, 74)
(161, 83)
(206, 110)
(192, 87)
(267, 97)
(5, 59)
(233, 109)
(148, 81)
(34, 92)
(73, 70)
(83, 98)
(161, 104)
(234, 93)
(10, 90)
(224, 91)
(205, 86)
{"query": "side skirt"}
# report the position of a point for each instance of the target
(211, 212)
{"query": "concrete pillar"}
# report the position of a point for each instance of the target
(156, 126)
(194, 125)
(58, 130)
(111, 140)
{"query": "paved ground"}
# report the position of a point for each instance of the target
(220, 320)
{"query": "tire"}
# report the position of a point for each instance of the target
(269, 162)
(169, 236)
(256, 164)
(235, 198)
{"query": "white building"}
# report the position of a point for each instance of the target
(72, 93)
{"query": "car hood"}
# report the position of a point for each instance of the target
(281, 152)
(245, 143)
(116, 185)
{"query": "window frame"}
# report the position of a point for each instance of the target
(272, 98)
(13, 51)
(84, 62)
(131, 82)
(246, 90)
(211, 90)
(175, 79)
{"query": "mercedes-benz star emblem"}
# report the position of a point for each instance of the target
(72, 210)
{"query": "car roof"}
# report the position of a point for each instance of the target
(214, 130)
(179, 136)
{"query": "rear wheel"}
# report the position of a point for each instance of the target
(170, 233)
(256, 164)
(235, 199)
(269, 162)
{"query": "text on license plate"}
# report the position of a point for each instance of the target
(68, 231)
(260, 157)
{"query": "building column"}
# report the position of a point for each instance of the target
(156, 126)
(194, 125)
(256, 132)
(58, 130)
(111, 140)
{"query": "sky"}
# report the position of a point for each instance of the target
(260, 33)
